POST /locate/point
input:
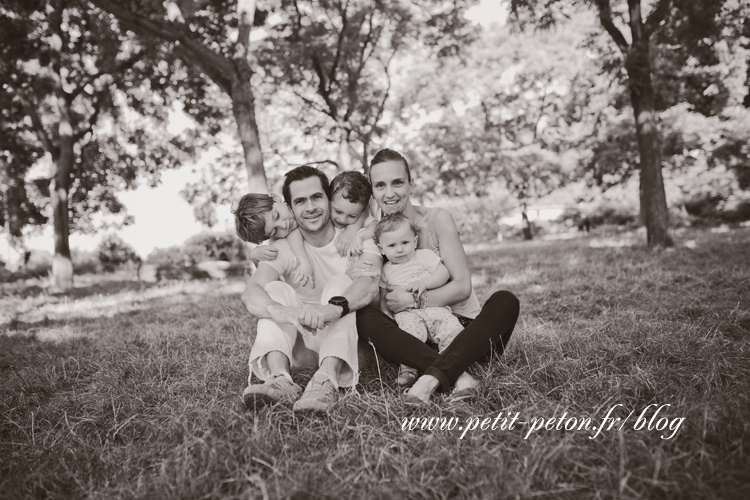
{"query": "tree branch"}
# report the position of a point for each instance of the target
(31, 108)
(339, 43)
(657, 15)
(214, 65)
(605, 16)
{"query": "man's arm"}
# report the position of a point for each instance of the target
(261, 305)
(360, 293)
(254, 297)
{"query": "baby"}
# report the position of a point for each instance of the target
(261, 217)
(416, 271)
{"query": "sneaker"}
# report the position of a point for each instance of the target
(319, 395)
(406, 376)
(270, 392)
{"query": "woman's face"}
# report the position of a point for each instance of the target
(279, 221)
(390, 186)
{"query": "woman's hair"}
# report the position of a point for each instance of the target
(392, 222)
(248, 217)
(301, 173)
(385, 155)
(354, 186)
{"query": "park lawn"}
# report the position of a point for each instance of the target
(121, 390)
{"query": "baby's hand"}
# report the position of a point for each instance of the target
(263, 252)
(304, 274)
(355, 246)
(417, 286)
(342, 243)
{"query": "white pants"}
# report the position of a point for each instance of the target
(339, 339)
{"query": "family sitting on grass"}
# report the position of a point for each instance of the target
(318, 288)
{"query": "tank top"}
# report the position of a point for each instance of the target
(428, 239)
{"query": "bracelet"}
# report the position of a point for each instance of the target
(423, 300)
(416, 299)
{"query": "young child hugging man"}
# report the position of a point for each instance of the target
(350, 201)
(260, 217)
(416, 271)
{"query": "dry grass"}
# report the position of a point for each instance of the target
(125, 391)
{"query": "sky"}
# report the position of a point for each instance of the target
(162, 217)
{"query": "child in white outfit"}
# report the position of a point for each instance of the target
(416, 271)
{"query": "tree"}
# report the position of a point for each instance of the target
(62, 63)
(637, 63)
(337, 58)
(508, 124)
(212, 37)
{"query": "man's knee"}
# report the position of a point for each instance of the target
(336, 285)
(281, 292)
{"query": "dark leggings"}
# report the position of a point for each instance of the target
(491, 329)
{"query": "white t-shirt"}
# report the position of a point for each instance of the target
(422, 265)
(326, 263)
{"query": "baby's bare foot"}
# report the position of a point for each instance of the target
(423, 388)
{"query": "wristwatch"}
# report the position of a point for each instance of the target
(340, 301)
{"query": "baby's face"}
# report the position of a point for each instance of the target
(279, 221)
(343, 211)
(399, 245)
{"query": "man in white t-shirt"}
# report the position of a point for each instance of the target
(303, 326)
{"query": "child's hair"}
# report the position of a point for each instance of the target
(392, 222)
(248, 217)
(354, 186)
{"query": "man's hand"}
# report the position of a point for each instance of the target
(399, 300)
(315, 317)
(285, 315)
(362, 268)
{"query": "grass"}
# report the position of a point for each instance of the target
(121, 390)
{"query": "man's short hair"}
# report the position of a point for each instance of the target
(391, 222)
(354, 186)
(301, 173)
(248, 217)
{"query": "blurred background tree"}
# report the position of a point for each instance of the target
(71, 82)
(538, 109)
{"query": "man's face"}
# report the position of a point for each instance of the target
(309, 204)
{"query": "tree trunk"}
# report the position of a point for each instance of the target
(244, 114)
(61, 277)
(653, 201)
(345, 155)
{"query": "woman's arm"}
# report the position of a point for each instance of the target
(454, 257)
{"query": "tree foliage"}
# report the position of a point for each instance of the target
(68, 77)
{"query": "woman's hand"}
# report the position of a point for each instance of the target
(399, 300)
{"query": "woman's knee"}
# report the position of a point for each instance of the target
(504, 300)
